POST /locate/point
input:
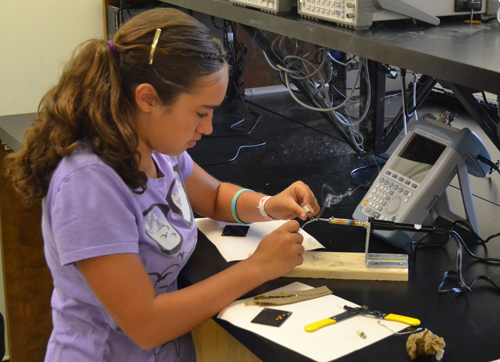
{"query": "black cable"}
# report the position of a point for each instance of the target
(236, 59)
(490, 163)
(353, 172)
(461, 245)
(486, 101)
(123, 6)
(458, 272)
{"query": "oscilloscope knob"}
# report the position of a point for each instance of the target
(393, 204)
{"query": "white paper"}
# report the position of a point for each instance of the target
(239, 248)
(327, 343)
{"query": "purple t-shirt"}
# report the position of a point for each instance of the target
(90, 212)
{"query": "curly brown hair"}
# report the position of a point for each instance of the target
(94, 99)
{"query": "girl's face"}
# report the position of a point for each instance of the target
(173, 129)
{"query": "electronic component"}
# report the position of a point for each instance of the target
(411, 187)
(271, 317)
(235, 230)
(362, 13)
(271, 6)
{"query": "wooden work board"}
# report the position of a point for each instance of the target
(333, 265)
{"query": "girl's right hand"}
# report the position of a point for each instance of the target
(280, 251)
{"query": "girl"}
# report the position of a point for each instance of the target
(107, 154)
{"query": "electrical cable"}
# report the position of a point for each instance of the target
(461, 247)
(235, 156)
(236, 57)
(403, 100)
(415, 80)
(123, 6)
(311, 74)
(361, 168)
(458, 272)
(490, 163)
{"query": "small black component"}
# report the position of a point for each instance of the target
(235, 230)
(271, 317)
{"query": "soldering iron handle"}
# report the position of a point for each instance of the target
(391, 225)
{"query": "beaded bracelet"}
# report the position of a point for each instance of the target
(262, 210)
(233, 206)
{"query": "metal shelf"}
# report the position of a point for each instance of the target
(453, 51)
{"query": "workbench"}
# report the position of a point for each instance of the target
(468, 322)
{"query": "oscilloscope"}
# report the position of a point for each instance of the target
(411, 187)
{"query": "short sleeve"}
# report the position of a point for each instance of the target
(93, 214)
(185, 163)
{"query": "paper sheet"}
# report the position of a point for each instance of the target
(325, 344)
(240, 248)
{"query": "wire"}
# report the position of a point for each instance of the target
(490, 163)
(403, 100)
(458, 272)
(358, 169)
(461, 247)
(310, 72)
(235, 156)
(236, 58)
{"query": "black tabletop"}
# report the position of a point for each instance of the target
(468, 322)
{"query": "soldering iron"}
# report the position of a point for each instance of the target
(376, 224)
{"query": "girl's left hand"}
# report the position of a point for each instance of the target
(287, 204)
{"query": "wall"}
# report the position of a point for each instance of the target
(37, 38)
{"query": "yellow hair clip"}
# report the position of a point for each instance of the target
(153, 46)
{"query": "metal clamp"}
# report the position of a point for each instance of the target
(383, 260)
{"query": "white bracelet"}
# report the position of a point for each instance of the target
(263, 212)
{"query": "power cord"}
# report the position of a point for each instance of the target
(310, 72)
(236, 52)
(493, 166)
(461, 247)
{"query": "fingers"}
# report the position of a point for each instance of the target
(306, 198)
(291, 226)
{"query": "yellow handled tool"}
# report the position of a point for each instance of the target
(328, 321)
(401, 318)
(351, 312)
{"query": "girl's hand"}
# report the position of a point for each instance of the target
(287, 204)
(280, 251)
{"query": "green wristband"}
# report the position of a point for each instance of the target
(233, 206)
